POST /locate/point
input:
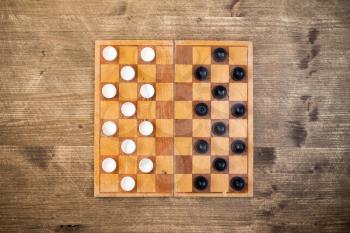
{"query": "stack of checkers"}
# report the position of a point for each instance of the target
(135, 119)
(173, 119)
(211, 119)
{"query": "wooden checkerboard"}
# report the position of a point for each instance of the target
(171, 111)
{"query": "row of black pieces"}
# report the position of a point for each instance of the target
(237, 110)
(237, 183)
(202, 146)
(202, 73)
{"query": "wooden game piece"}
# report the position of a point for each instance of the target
(237, 183)
(127, 73)
(146, 128)
(109, 91)
(219, 92)
(219, 128)
(220, 164)
(200, 182)
(127, 183)
(109, 165)
(109, 53)
(146, 165)
(109, 128)
(147, 54)
(220, 54)
(147, 91)
(238, 110)
(237, 73)
(238, 147)
(128, 146)
(201, 109)
(128, 109)
(201, 146)
(201, 73)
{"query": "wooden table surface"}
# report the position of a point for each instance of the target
(301, 120)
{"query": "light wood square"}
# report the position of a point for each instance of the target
(109, 183)
(238, 164)
(220, 146)
(219, 183)
(109, 146)
(183, 109)
(109, 109)
(164, 91)
(201, 55)
(164, 165)
(146, 146)
(201, 128)
(164, 55)
(220, 110)
(238, 55)
(220, 73)
(146, 109)
(164, 127)
(128, 91)
(183, 146)
(238, 128)
(183, 183)
(201, 91)
(146, 73)
(238, 91)
(127, 128)
(109, 73)
(201, 164)
(183, 73)
(128, 55)
(127, 164)
(146, 183)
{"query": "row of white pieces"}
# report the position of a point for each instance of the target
(127, 183)
(109, 91)
(109, 128)
(110, 53)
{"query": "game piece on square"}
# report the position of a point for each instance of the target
(238, 74)
(219, 92)
(109, 91)
(220, 164)
(219, 128)
(127, 183)
(109, 128)
(146, 128)
(200, 182)
(146, 165)
(109, 53)
(148, 54)
(127, 73)
(128, 109)
(237, 183)
(238, 147)
(201, 146)
(128, 146)
(201, 73)
(147, 91)
(238, 110)
(220, 54)
(109, 165)
(201, 109)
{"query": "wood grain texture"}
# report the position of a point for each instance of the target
(301, 112)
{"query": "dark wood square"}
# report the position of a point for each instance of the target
(164, 146)
(183, 91)
(183, 164)
(194, 144)
(183, 54)
(164, 183)
(164, 109)
(183, 128)
(226, 122)
(195, 80)
(103, 61)
(207, 189)
(213, 170)
(245, 178)
(244, 80)
(195, 116)
(165, 73)
(212, 57)
(246, 109)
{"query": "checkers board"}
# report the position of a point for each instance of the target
(200, 112)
